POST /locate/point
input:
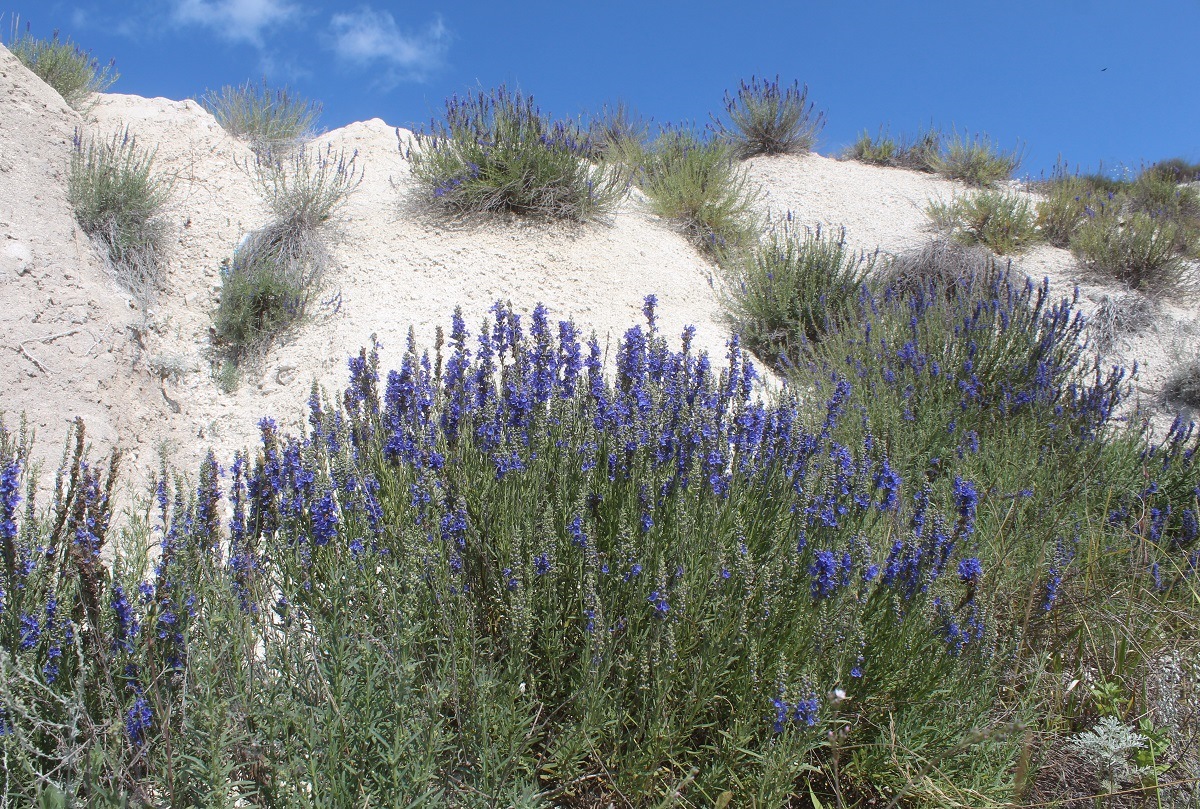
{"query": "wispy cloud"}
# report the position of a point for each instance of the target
(372, 39)
(237, 20)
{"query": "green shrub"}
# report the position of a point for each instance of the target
(72, 72)
(769, 119)
(616, 132)
(118, 199)
(267, 286)
(270, 282)
(915, 154)
(519, 577)
(1064, 207)
(495, 151)
(268, 119)
(1177, 169)
(1135, 248)
(1005, 222)
(697, 183)
(879, 151)
(975, 161)
(791, 289)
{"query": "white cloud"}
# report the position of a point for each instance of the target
(370, 38)
(236, 20)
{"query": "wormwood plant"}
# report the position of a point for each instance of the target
(496, 151)
(974, 160)
(791, 288)
(270, 282)
(697, 183)
(72, 72)
(767, 118)
(1005, 222)
(270, 120)
(118, 199)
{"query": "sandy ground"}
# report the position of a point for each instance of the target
(76, 344)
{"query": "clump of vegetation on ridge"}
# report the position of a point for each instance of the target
(269, 284)
(495, 151)
(915, 153)
(974, 160)
(792, 288)
(1004, 222)
(270, 120)
(697, 183)
(72, 72)
(768, 118)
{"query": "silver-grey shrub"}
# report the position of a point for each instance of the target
(268, 119)
(119, 200)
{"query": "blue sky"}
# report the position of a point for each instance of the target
(1099, 82)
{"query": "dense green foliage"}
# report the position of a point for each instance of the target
(697, 183)
(917, 153)
(974, 160)
(504, 577)
(791, 289)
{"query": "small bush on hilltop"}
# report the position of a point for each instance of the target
(494, 151)
(769, 119)
(915, 154)
(616, 133)
(119, 199)
(72, 72)
(1005, 222)
(269, 283)
(1064, 207)
(697, 183)
(975, 161)
(791, 289)
(269, 120)
(1177, 170)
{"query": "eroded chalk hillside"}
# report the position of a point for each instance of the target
(142, 377)
(71, 346)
